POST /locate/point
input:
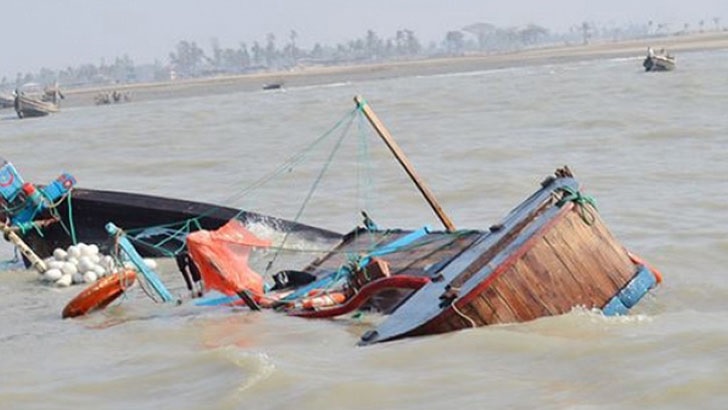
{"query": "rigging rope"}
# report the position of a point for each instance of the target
(581, 201)
(315, 184)
(184, 226)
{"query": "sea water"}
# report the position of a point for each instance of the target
(650, 147)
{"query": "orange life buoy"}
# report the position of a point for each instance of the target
(639, 261)
(99, 294)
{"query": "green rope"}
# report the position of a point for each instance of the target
(581, 200)
(297, 158)
(74, 240)
(71, 229)
(184, 230)
(283, 168)
(162, 250)
(315, 184)
(26, 227)
(13, 210)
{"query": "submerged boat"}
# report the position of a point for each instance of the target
(552, 253)
(60, 214)
(661, 61)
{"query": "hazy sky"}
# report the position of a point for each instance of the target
(61, 33)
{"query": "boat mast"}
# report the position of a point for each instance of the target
(399, 154)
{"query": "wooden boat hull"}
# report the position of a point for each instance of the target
(27, 107)
(90, 211)
(544, 259)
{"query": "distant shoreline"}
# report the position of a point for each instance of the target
(353, 73)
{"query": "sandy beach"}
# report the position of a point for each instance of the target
(352, 73)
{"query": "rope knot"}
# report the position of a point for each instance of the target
(581, 200)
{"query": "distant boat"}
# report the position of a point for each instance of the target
(273, 86)
(27, 107)
(111, 97)
(661, 61)
(6, 101)
(31, 101)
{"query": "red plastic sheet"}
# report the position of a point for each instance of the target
(222, 258)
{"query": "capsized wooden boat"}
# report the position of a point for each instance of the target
(550, 254)
(60, 214)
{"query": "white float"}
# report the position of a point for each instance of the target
(79, 264)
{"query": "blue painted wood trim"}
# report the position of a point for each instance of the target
(631, 293)
(637, 287)
(217, 301)
(615, 307)
(149, 275)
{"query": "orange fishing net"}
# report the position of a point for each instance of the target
(222, 258)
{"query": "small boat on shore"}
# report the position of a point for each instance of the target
(661, 61)
(551, 254)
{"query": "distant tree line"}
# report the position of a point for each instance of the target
(189, 60)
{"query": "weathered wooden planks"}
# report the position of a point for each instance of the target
(569, 262)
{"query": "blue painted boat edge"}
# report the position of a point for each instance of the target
(627, 297)
(217, 300)
(149, 275)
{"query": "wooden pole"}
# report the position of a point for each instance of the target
(399, 154)
(13, 238)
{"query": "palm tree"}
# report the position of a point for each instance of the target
(270, 49)
(585, 30)
(482, 31)
(293, 36)
(454, 42)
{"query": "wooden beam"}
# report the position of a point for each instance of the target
(12, 237)
(399, 154)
